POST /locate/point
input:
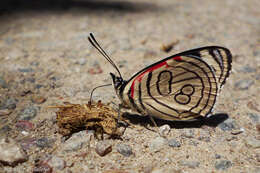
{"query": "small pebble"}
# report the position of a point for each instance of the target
(24, 125)
(253, 105)
(28, 113)
(164, 130)
(27, 143)
(257, 157)
(103, 148)
(3, 83)
(81, 61)
(57, 163)
(217, 156)
(4, 130)
(124, 149)
(194, 143)
(223, 164)
(204, 136)
(254, 117)
(157, 144)
(237, 131)
(258, 128)
(122, 63)
(11, 152)
(76, 141)
(188, 133)
(25, 70)
(44, 142)
(228, 125)
(9, 103)
(174, 143)
(252, 142)
(231, 138)
(244, 84)
(96, 70)
(38, 99)
(30, 79)
(42, 167)
(190, 164)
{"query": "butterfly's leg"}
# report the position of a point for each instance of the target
(118, 115)
(154, 123)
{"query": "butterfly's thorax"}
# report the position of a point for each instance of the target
(129, 101)
(123, 91)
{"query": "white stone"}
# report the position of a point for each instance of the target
(11, 152)
(76, 141)
(57, 163)
(164, 130)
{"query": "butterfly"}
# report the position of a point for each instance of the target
(183, 86)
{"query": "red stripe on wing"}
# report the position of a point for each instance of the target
(140, 76)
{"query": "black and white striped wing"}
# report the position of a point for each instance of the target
(180, 87)
(220, 59)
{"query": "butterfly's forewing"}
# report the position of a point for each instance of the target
(179, 87)
(219, 58)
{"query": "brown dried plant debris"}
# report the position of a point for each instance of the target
(97, 116)
(168, 47)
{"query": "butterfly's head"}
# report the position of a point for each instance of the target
(117, 81)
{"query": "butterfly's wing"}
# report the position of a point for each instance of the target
(180, 87)
(219, 58)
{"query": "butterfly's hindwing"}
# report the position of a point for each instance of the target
(182, 86)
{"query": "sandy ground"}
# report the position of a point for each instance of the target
(46, 59)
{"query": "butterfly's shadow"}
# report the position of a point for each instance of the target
(211, 121)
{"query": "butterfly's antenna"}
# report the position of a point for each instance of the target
(90, 100)
(94, 42)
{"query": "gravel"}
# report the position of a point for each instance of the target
(124, 149)
(56, 61)
(28, 113)
(252, 142)
(244, 84)
(9, 103)
(103, 148)
(3, 83)
(190, 164)
(157, 144)
(44, 142)
(223, 164)
(77, 141)
(57, 163)
(174, 143)
(228, 125)
(164, 130)
(188, 133)
(254, 117)
(11, 153)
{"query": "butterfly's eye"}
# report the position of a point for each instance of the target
(116, 80)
